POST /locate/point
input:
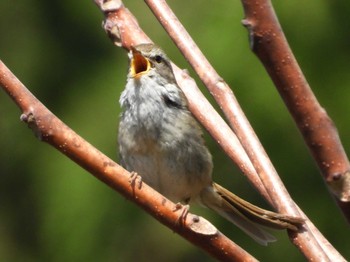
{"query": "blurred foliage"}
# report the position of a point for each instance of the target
(52, 210)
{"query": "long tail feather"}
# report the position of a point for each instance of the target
(257, 214)
(245, 215)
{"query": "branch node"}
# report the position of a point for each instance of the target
(27, 118)
(201, 226)
(108, 5)
(220, 84)
(110, 25)
(249, 25)
(246, 23)
(30, 120)
(340, 185)
(112, 29)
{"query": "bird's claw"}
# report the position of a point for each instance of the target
(184, 212)
(133, 180)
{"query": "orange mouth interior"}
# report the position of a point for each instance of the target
(139, 64)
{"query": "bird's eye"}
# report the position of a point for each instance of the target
(158, 58)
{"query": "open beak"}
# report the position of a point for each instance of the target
(139, 64)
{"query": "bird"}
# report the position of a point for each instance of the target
(162, 142)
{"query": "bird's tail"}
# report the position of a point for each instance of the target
(245, 215)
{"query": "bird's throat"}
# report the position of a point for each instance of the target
(139, 65)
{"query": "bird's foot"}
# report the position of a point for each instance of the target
(184, 212)
(135, 178)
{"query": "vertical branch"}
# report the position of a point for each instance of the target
(270, 45)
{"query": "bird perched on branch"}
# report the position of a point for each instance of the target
(161, 141)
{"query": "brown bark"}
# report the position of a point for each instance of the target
(270, 45)
(124, 31)
(311, 242)
(48, 128)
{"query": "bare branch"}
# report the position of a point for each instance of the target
(306, 242)
(123, 29)
(48, 128)
(270, 45)
(229, 104)
(309, 242)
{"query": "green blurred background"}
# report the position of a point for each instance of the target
(53, 210)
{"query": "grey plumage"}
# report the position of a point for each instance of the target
(160, 140)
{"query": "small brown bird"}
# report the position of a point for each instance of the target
(161, 141)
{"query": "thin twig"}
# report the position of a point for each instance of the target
(48, 128)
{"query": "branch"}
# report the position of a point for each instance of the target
(270, 45)
(48, 128)
(124, 31)
(121, 25)
(311, 242)
(226, 100)
(52, 130)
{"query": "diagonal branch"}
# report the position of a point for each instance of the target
(311, 249)
(319, 132)
(48, 128)
(311, 242)
(123, 29)
(227, 101)
(51, 130)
